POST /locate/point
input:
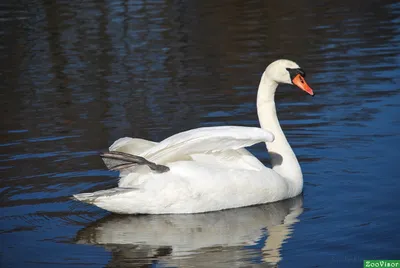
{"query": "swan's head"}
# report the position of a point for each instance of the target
(288, 72)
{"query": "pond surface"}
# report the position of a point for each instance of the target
(77, 75)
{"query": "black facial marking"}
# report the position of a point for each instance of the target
(295, 71)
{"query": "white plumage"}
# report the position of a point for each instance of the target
(208, 168)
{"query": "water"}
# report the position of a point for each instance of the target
(75, 76)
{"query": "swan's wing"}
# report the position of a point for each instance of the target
(231, 159)
(133, 146)
(205, 140)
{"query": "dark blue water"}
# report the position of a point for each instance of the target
(77, 75)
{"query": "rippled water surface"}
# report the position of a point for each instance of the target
(77, 75)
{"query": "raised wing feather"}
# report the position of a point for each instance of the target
(205, 140)
(131, 145)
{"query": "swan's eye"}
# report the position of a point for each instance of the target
(301, 72)
(295, 71)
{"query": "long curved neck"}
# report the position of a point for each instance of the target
(283, 159)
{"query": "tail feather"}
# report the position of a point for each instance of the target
(90, 198)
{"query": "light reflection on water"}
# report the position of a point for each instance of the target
(77, 76)
(238, 235)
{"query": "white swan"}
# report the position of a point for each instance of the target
(207, 169)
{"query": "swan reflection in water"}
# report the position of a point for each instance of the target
(226, 238)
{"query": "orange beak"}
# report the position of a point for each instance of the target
(301, 83)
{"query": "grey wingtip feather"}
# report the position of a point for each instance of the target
(119, 161)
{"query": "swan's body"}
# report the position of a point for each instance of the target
(208, 169)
